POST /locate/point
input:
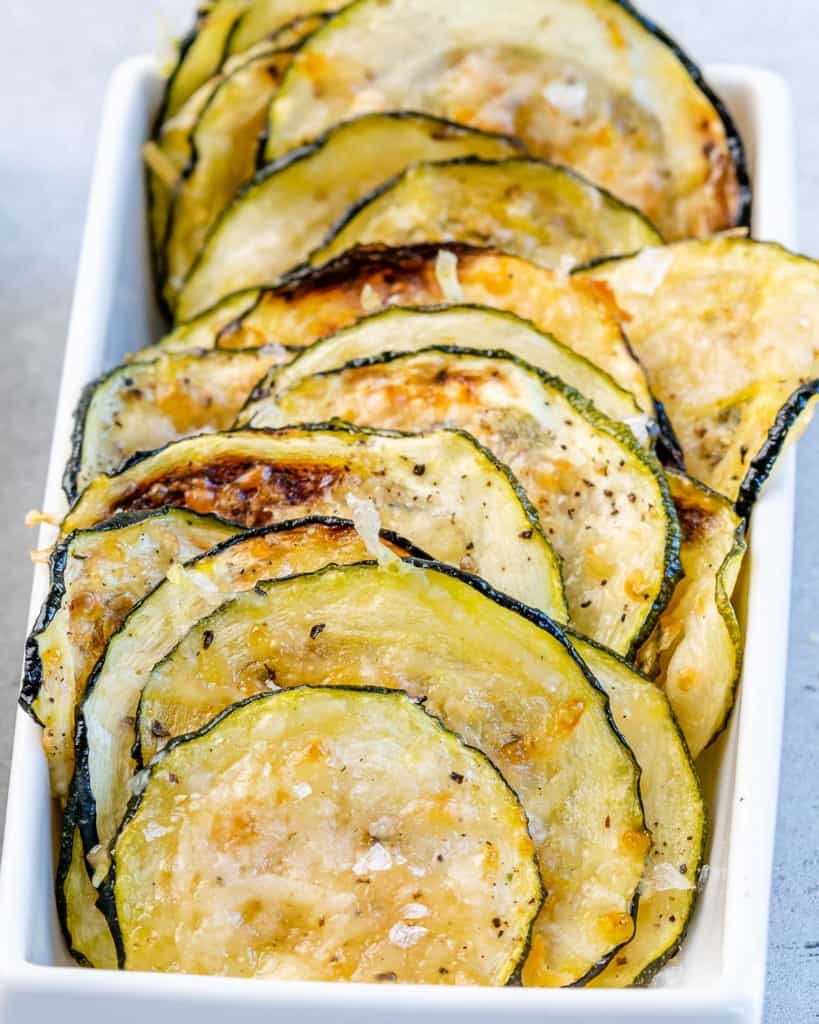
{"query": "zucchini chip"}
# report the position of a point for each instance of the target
(726, 329)
(674, 810)
(530, 208)
(287, 209)
(601, 497)
(586, 83)
(223, 147)
(263, 21)
(97, 575)
(221, 866)
(498, 674)
(316, 303)
(442, 489)
(407, 330)
(695, 651)
(140, 406)
(201, 331)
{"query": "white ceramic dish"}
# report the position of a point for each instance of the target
(719, 975)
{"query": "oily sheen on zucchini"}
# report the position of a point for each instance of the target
(726, 329)
(105, 737)
(674, 810)
(222, 867)
(142, 405)
(695, 651)
(601, 497)
(443, 490)
(316, 303)
(97, 575)
(529, 208)
(287, 209)
(586, 83)
(449, 638)
(407, 330)
(223, 144)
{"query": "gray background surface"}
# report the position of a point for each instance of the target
(55, 58)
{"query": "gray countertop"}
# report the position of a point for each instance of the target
(55, 59)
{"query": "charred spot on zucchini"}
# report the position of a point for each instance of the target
(674, 811)
(285, 211)
(453, 641)
(529, 208)
(695, 650)
(637, 118)
(407, 330)
(140, 406)
(726, 330)
(275, 783)
(466, 509)
(601, 498)
(97, 575)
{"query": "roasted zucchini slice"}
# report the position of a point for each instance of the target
(695, 651)
(221, 865)
(465, 649)
(601, 497)
(263, 21)
(726, 329)
(100, 788)
(201, 332)
(96, 577)
(224, 143)
(288, 208)
(530, 208)
(443, 490)
(588, 84)
(316, 303)
(674, 810)
(407, 330)
(142, 405)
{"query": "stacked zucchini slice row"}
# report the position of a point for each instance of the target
(393, 604)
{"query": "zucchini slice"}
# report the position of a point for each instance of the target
(221, 865)
(601, 497)
(695, 651)
(142, 405)
(674, 810)
(407, 330)
(316, 303)
(530, 208)
(96, 577)
(288, 208)
(263, 21)
(201, 331)
(446, 492)
(498, 674)
(223, 146)
(726, 329)
(105, 735)
(588, 84)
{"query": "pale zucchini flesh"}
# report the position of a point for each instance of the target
(601, 498)
(97, 575)
(221, 866)
(726, 330)
(587, 84)
(529, 208)
(287, 209)
(200, 332)
(450, 639)
(105, 737)
(317, 303)
(407, 330)
(288, 22)
(142, 405)
(223, 143)
(674, 811)
(444, 491)
(695, 650)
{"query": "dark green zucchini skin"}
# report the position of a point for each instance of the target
(74, 461)
(736, 147)
(66, 847)
(106, 900)
(763, 462)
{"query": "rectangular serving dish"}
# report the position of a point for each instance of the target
(719, 975)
